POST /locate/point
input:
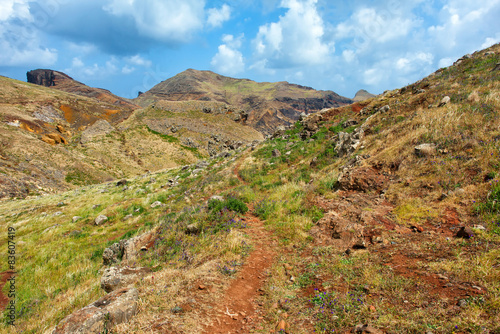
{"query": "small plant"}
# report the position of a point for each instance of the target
(264, 208)
(231, 203)
(491, 204)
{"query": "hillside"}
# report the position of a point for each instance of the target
(268, 105)
(377, 217)
(53, 140)
(65, 83)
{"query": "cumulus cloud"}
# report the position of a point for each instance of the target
(80, 69)
(19, 38)
(170, 21)
(297, 39)
(139, 61)
(229, 60)
(216, 17)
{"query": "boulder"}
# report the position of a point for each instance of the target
(41, 77)
(115, 278)
(424, 150)
(101, 219)
(465, 232)
(157, 204)
(113, 309)
(193, 229)
(276, 153)
(114, 253)
(444, 101)
(76, 218)
(349, 142)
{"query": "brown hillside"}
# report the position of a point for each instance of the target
(268, 105)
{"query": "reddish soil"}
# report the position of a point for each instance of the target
(4, 300)
(237, 312)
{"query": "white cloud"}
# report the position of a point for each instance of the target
(489, 41)
(19, 38)
(169, 21)
(297, 39)
(81, 70)
(127, 69)
(229, 60)
(218, 16)
(445, 62)
(370, 25)
(139, 61)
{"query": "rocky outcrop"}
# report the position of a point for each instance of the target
(127, 250)
(41, 77)
(54, 139)
(115, 278)
(349, 142)
(113, 309)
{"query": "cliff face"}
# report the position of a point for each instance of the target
(268, 105)
(62, 81)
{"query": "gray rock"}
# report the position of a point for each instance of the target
(197, 171)
(192, 229)
(51, 228)
(384, 109)
(349, 142)
(157, 204)
(127, 217)
(61, 204)
(76, 218)
(427, 149)
(114, 253)
(217, 198)
(465, 232)
(276, 153)
(349, 123)
(444, 101)
(113, 309)
(115, 278)
(100, 219)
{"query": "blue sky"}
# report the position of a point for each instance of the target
(128, 46)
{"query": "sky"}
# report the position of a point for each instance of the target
(128, 46)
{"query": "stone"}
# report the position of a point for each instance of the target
(58, 213)
(384, 109)
(121, 183)
(217, 198)
(197, 171)
(349, 142)
(489, 53)
(61, 204)
(465, 232)
(114, 253)
(349, 123)
(365, 328)
(427, 149)
(115, 308)
(479, 227)
(127, 217)
(192, 229)
(276, 153)
(444, 101)
(100, 219)
(157, 204)
(360, 244)
(116, 278)
(76, 218)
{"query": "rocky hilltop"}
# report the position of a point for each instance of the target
(63, 82)
(268, 105)
(362, 95)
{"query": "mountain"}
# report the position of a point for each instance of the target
(362, 95)
(62, 81)
(268, 105)
(54, 140)
(382, 217)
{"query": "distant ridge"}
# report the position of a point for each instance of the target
(362, 95)
(268, 105)
(62, 81)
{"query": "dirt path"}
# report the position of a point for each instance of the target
(237, 311)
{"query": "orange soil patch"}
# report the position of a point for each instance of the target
(68, 113)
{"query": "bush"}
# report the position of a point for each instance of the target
(232, 204)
